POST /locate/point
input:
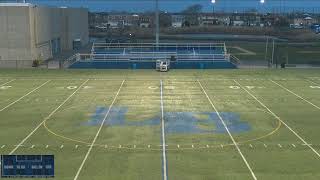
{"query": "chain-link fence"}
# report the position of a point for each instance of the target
(274, 52)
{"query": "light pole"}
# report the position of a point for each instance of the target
(157, 24)
(267, 39)
(213, 2)
(262, 4)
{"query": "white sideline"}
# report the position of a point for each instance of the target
(227, 129)
(24, 96)
(295, 94)
(98, 132)
(48, 117)
(277, 117)
(164, 158)
(7, 82)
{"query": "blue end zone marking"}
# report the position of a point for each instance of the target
(175, 122)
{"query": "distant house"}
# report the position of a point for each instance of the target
(177, 20)
(245, 19)
(238, 23)
(98, 20)
(146, 21)
(269, 20)
(209, 19)
(304, 21)
(122, 20)
(224, 19)
(113, 24)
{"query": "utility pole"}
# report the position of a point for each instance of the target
(272, 52)
(262, 2)
(266, 52)
(157, 24)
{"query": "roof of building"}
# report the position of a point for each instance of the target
(34, 5)
(16, 4)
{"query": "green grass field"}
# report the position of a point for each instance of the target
(217, 124)
(292, 53)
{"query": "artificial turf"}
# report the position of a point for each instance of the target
(69, 108)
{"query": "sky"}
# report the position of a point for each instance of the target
(178, 5)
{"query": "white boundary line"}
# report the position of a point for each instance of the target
(164, 156)
(227, 129)
(7, 82)
(48, 117)
(277, 117)
(312, 81)
(24, 96)
(98, 132)
(295, 94)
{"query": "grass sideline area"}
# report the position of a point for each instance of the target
(218, 124)
(293, 53)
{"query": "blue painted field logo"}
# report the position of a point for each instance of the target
(175, 122)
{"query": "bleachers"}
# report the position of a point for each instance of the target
(144, 56)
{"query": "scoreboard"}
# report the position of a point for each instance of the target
(27, 166)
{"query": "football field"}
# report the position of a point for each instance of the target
(180, 125)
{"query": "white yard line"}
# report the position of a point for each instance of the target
(295, 94)
(7, 82)
(227, 129)
(164, 156)
(23, 96)
(313, 82)
(278, 118)
(97, 134)
(48, 117)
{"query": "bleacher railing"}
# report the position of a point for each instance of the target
(144, 57)
(152, 52)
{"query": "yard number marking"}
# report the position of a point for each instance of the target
(87, 87)
(234, 87)
(5, 87)
(72, 87)
(153, 87)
